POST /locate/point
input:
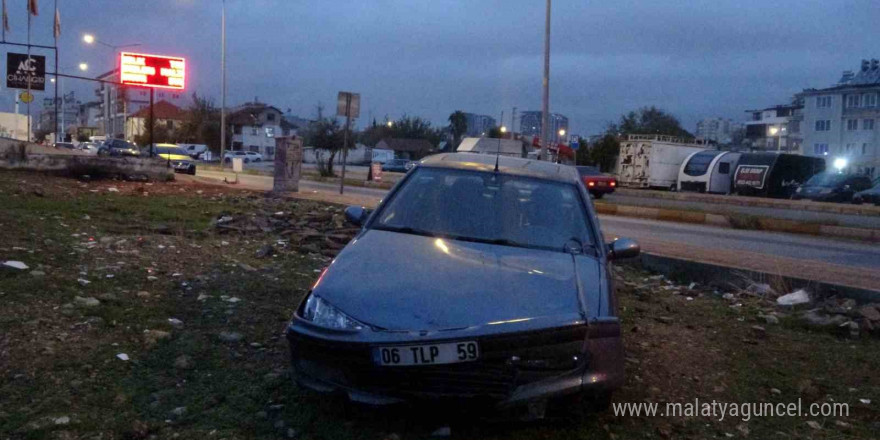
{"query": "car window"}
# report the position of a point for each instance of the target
(488, 207)
(699, 163)
(826, 180)
(588, 171)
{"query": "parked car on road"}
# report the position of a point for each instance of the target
(397, 165)
(88, 147)
(868, 196)
(194, 150)
(117, 148)
(232, 154)
(597, 182)
(64, 145)
(254, 156)
(832, 187)
(178, 157)
(501, 289)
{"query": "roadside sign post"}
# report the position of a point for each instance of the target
(288, 164)
(573, 142)
(349, 105)
(152, 71)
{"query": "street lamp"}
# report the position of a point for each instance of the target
(90, 39)
(503, 129)
(389, 124)
(561, 132)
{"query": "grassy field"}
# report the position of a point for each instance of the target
(200, 318)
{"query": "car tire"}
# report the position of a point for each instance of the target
(598, 196)
(246, 160)
(191, 170)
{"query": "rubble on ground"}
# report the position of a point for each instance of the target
(319, 230)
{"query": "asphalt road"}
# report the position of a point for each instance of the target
(824, 259)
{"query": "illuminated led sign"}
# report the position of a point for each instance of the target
(145, 70)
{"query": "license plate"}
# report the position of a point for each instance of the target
(429, 354)
(602, 183)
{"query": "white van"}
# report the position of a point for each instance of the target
(194, 150)
(708, 171)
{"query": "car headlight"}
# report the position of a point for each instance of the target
(322, 313)
(799, 190)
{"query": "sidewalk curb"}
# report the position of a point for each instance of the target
(763, 223)
(724, 276)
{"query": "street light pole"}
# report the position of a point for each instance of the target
(223, 84)
(545, 106)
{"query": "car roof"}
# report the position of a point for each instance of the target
(506, 165)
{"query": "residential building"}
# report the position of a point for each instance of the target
(843, 121)
(254, 127)
(412, 149)
(167, 116)
(117, 102)
(479, 125)
(769, 129)
(530, 123)
(298, 125)
(718, 130)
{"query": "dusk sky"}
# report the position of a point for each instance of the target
(428, 58)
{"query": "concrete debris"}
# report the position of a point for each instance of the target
(63, 420)
(865, 401)
(817, 319)
(769, 319)
(230, 336)
(176, 323)
(183, 362)
(15, 265)
(86, 302)
(799, 296)
(870, 312)
(122, 356)
(113, 189)
(815, 425)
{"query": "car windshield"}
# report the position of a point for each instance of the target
(487, 207)
(121, 144)
(589, 171)
(699, 163)
(826, 180)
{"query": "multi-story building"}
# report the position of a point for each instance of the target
(842, 122)
(118, 102)
(255, 126)
(719, 130)
(478, 125)
(530, 123)
(770, 129)
(68, 113)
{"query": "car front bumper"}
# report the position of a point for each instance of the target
(503, 376)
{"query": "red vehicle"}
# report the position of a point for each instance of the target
(597, 182)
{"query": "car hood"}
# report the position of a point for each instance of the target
(408, 282)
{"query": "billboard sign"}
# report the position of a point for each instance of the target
(22, 69)
(348, 105)
(751, 175)
(146, 70)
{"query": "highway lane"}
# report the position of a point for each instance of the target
(830, 260)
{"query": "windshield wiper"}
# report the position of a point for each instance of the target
(404, 230)
(498, 241)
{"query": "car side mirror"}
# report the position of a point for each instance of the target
(356, 214)
(623, 248)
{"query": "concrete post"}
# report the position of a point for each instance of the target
(288, 164)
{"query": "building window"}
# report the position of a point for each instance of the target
(853, 101)
(270, 151)
(852, 124)
(254, 131)
(236, 129)
(169, 125)
(270, 116)
(820, 149)
(270, 131)
(869, 100)
(849, 147)
(823, 125)
(864, 149)
(867, 124)
(823, 101)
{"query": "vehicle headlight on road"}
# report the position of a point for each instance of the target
(322, 313)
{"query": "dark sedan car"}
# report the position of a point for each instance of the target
(832, 187)
(117, 148)
(471, 280)
(397, 165)
(597, 182)
(868, 196)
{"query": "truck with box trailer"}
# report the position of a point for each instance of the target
(653, 161)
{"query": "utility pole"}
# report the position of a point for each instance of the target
(545, 105)
(223, 84)
(513, 121)
(345, 140)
